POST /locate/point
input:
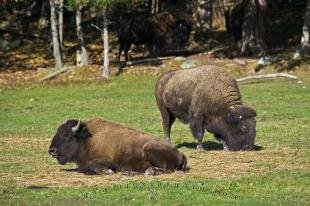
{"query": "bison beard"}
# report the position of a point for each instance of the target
(207, 98)
(101, 146)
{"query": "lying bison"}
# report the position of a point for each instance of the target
(207, 98)
(101, 146)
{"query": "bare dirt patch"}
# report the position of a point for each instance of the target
(25, 162)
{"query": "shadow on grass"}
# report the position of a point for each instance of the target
(35, 187)
(70, 170)
(210, 145)
(257, 148)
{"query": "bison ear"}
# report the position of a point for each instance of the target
(237, 113)
(81, 131)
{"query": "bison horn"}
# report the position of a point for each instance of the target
(77, 127)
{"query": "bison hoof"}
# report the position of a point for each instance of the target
(109, 172)
(91, 171)
(225, 147)
(149, 172)
(199, 147)
(248, 148)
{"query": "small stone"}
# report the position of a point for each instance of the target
(190, 64)
(179, 58)
(240, 61)
(297, 56)
(149, 172)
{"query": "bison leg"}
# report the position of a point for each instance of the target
(167, 117)
(151, 171)
(93, 170)
(163, 157)
(90, 170)
(153, 50)
(219, 138)
(126, 49)
(168, 120)
(225, 147)
(120, 50)
(197, 130)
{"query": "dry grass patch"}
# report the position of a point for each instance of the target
(25, 161)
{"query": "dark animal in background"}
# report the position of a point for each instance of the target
(181, 33)
(101, 146)
(207, 98)
(234, 21)
(155, 31)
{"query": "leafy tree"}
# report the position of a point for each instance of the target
(203, 19)
(105, 5)
(55, 36)
(305, 39)
(81, 53)
(155, 6)
(60, 4)
(254, 27)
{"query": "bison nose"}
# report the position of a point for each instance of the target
(53, 152)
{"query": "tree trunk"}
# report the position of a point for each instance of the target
(305, 38)
(60, 21)
(254, 27)
(155, 6)
(55, 37)
(203, 20)
(82, 55)
(105, 37)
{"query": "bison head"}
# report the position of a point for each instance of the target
(67, 142)
(241, 134)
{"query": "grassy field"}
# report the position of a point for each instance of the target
(279, 174)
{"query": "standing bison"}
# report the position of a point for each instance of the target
(100, 146)
(155, 31)
(207, 98)
(181, 33)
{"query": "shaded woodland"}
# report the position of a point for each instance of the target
(96, 32)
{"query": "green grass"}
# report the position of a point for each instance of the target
(30, 114)
(278, 188)
(283, 108)
(37, 110)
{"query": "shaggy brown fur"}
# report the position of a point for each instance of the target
(207, 98)
(100, 145)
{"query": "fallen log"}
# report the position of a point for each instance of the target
(148, 60)
(55, 73)
(262, 76)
